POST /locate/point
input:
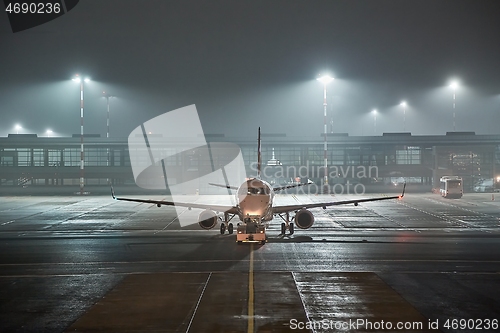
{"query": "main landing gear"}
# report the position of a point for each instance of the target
(287, 224)
(226, 224)
(284, 227)
(229, 228)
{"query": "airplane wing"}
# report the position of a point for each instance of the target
(216, 208)
(309, 182)
(289, 208)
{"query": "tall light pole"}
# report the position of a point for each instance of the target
(107, 96)
(374, 111)
(82, 156)
(325, 79)
(403, 104)
(18, 128)
(454, 86)
(49, 132)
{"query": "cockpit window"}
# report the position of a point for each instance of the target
(261, 190)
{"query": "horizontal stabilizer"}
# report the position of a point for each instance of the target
(224, 186)
(280, 188)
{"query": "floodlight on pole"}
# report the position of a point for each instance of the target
(82, 155)
(49, 132)
(325, 79)
(403, 104)
(454, 86)
(374, 111)
(18, 128)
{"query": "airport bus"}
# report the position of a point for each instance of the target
(451, 187)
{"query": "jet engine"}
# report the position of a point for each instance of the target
(304, 219)
(207, 219)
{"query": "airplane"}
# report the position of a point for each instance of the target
(255, 208)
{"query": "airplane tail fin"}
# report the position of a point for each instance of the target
(259, 156)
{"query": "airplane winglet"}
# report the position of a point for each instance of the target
(403, 194)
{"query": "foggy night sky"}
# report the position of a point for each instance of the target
(253, 63)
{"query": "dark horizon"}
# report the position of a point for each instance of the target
(248, 64)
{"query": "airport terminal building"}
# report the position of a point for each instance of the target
(420, 160)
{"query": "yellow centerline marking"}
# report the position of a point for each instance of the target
(250, 328)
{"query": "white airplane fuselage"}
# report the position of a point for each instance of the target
(255, 200)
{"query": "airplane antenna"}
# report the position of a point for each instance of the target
(259, 157)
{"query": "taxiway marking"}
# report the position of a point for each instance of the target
(198, 303)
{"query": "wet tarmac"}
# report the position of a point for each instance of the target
(88, 264)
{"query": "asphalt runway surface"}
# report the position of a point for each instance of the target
(92, 264)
